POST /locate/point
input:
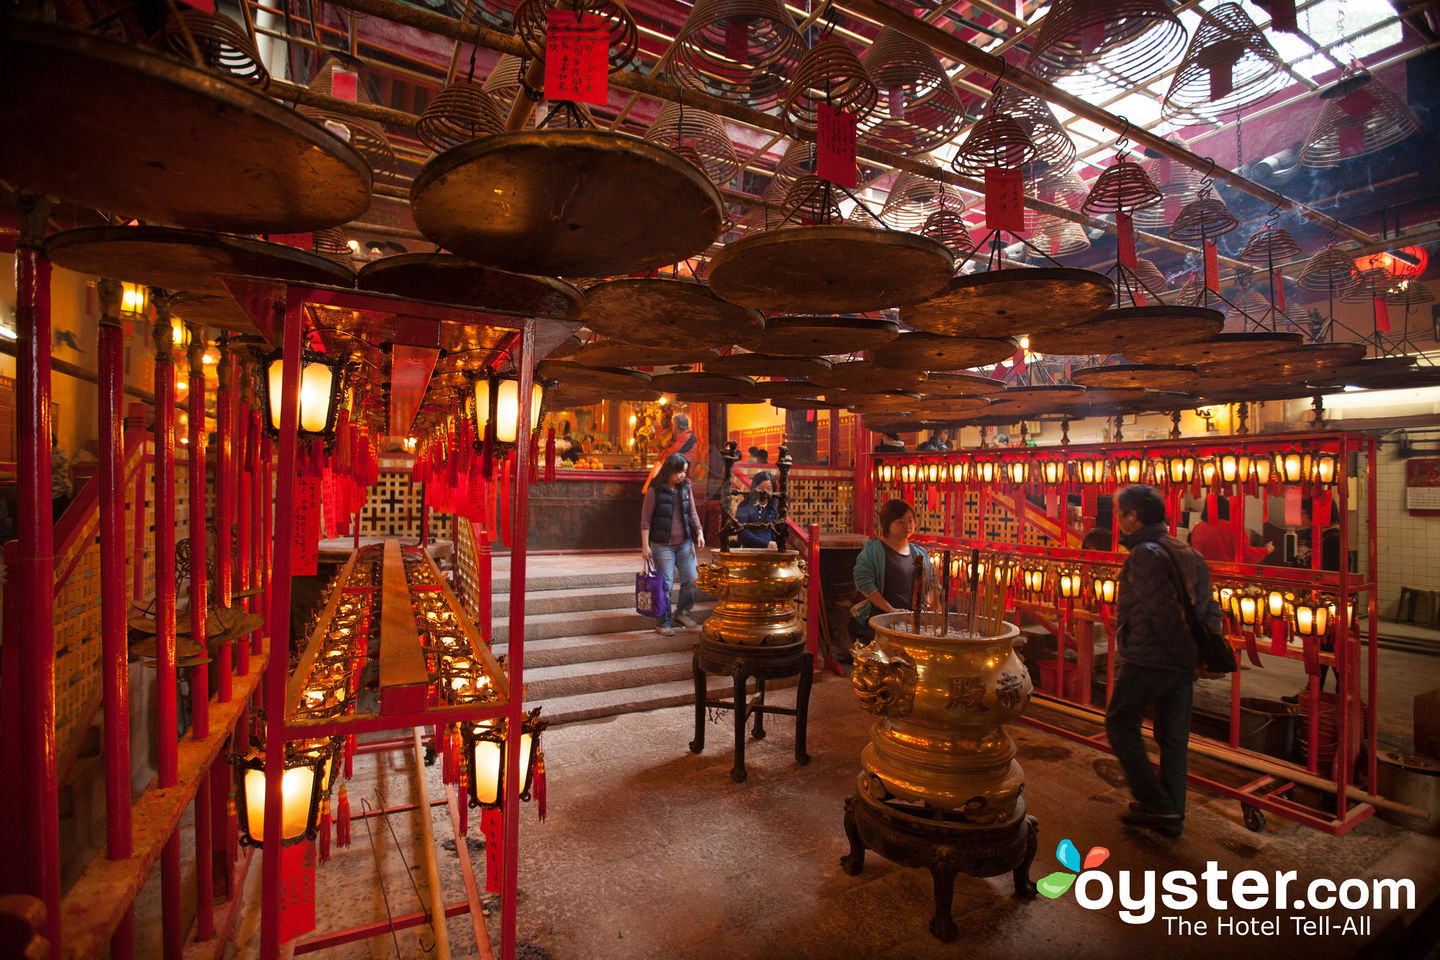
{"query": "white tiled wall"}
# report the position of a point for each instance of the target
(1408, 547)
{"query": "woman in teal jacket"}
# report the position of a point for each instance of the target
(885, 568)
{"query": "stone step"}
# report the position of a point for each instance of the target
(558, 651)
(654, 696)
(535, 582)
(570, 679)
(568, 600)
(546, 626)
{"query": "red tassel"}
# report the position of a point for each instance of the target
(1279, 635)
(1251, 650)
(538, 788)
(349, 757)
(507, 471)
(1312, 656)
(342, 819)
(325, 830)
(550, 455)
(487, 452)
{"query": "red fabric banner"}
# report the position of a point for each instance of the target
(835, 143)
(577, 57)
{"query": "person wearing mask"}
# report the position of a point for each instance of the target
(758, 507)
(1161, 657)
(1214, 537)
(671, 535)
(885, 569)
(682, 441)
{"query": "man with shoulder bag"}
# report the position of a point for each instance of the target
(1165, 618)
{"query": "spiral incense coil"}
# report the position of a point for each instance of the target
(332, 244)
(1245, 306)
(459, 113)
(1374, 284)
(532, 24)
(740, 50)
(829, 73)
(1125, 41)
(797, 160)
(1124, 187)
(1408, 292)
(1178, 183)
(919, 109)
(1053, 146)
(1203, 219)
(503, 83)
(1331, 270)
(1061, 238)
(1361, 116)
(809, 200)
(1060, 187)
(949, 228)
(994, 141)
(223, 46)
(366, 137)
(915, 198)
(1150, 277)
(1269, 244)
(700, 133)
(1228, 66)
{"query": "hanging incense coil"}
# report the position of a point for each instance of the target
(1053, 146)
(678, 126)
(1124, 41)
(1124, 187)
(1203, 219)
(458, 114)
(797, 160)
(994, 141)
(1373, 284)
(949, 227)
(224, 47)
(1361, 116)
(532, 24)
(1245, 306)
(919, 109)
(740, 50)
(332, 244)
(1060, 187)
(915, 198)
(1228, 66)
(366, 137)
(503, 83)
(1150, 277)
(1330, 269)
(1408, 292)
(1268, 245)
(1061, 238)
(810, 200)
(1178, 183)
(829, 73)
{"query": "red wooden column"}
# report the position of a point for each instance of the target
(200, 673)
(225, 474)
(114, 673)
(267, 524)
(520, 523)
(245, 494)
(35, 565)
(276, 670)
(172, 935)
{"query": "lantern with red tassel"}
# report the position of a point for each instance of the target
(342, 819)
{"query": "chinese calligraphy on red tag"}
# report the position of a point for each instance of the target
(836, 141)
(1004, 199)
(305, 543)
(576, 57)
(297, 890)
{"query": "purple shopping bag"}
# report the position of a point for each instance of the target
(650, 598)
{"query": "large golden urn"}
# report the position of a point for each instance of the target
(941, 704)
(756, 590)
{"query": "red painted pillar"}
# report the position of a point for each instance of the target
(245, 493)
(163, 336)
(114, 672)
(520, 523)
(255, 490)
(35, 563)
(267, 509)
(812, 595)
(200, 673)
(864, 496)
(484, 577)
(225, 475)
(275, 674)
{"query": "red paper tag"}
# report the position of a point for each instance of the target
(207, 5)
(297, 890)
(1278, 636)
(301, 241)
(1212, 266)
(1017, 362)
(1125, 237)
(1292, 506)
(343, 84)
(1322, 510)
(1279, 292)
(1092, 37)
(836, 141)
(1004, 199)
(305, 542)
(1222, 81)
(1282, 16)
(896, 98)
(577, 57)
(491, 825)
(1359, 103)
(737, 39)
(1352, 139)
(329, 504)
(1382, 316)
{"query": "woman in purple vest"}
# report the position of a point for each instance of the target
(671, 535)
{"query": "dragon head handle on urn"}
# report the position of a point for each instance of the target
(884, 684)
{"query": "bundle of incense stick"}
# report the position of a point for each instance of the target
(945, 593)
(918, 592)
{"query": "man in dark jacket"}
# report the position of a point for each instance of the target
(1160, 657)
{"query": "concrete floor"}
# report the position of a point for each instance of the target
(649, 851)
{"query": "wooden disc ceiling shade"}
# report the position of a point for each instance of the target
(740, 50)
(915, 198)
(1361, 116)
(950, 228)
(822, 336)
(223, 46)
(828, 73)
(460, 112)
(1228, 66)
(1330, 270)
(932, 351)
(1204, 218)
(1125, 186)
(1126, 41)
(921, 109)
(704, 136)
(1269, 244)
(620, 353)
(531, 22)
(367, 137)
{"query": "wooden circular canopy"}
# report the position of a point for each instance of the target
(868, 375)
(1306, 361)
(1154, 376)
(1116, 331)
(1374, 372)
(616, 353)
(444, 278)
(764, 365)
(574, 376)
(950, 409)
(822, 336)
(668, 313)
(781, 390)
(1104, 400)
(959, 385)
(829, 269)
(188, 260)
(1026, 401)
(126, 130)
(1228, 348)
(930, 351)
(701, 385)
(888, 401)
(805, 403)
(573, 203)
(1013, 302)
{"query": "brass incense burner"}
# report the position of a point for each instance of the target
(756, 590)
